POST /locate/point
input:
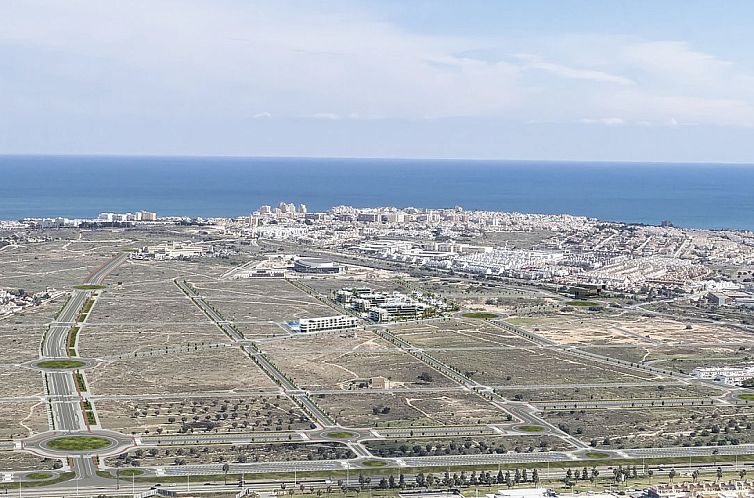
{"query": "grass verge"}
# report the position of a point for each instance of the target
(582, 303)
(477, 314)
(78, 443)
(529, 428)
(60, 364)
(340, 434)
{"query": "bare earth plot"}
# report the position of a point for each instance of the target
(657, 427)
(680, 358)
(22, 419)
(475, 445)
(224, 415)
(240, 453)
(589, 329)
(21, 334)
(410, 409)
(19, 381)
(220, 369)
(335, 360)
(123, 340)
(457, 333)
(37, 266)
(658, 391)
(18, 461)
(535, 366)
(259, 307)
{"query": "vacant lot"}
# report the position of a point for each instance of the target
(180, 415)
(410, 409)
(59, 264)
(580, 328)
(477, 445)
(21, 334)
(18, 381)
(18, 461)
(22, 419)
(259, 307)
(453, 333)
(338, 360)
(658, 427)
(658, 391)
(535, 365)
(196, 454)
(214, 370)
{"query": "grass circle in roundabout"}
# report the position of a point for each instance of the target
(479, 314)
(529, 428)
(38, 476)
(340, 434)
(78, 443)
(60, 364)
(596, 454)
(129, 472)
(373, 463)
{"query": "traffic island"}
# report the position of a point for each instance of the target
(480, 314)
(340, 434)
(79, 443)
(529, 428)
(60, 364)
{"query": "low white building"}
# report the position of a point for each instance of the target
(324, 323)
(730, 376)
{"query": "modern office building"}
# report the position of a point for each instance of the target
(321, 324)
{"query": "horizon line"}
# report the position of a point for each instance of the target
(375, 158)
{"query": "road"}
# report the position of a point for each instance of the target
(296, 394)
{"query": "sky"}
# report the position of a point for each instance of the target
(609, 80)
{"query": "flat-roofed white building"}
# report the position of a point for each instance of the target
(324, 323)
(731, 376)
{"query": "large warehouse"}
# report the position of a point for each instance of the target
(315, 265)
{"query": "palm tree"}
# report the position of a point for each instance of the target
(226, 468)
(742, 474)
(671, 475)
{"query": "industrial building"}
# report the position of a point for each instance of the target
(315, 265)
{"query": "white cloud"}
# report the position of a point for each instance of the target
(261, 115)
(535, 62)
(603, 121)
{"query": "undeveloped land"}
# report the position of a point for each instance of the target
(258, 307)
(18, 461)
(22, 419)
(338, 360)
(197, 454)
(180, 415)
(477, 445)
(215, 370)
(657, 427)
(411, 409)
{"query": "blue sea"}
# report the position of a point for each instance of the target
(689, 195)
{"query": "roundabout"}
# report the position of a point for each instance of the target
(78, 443)
(62, 364)
(64, 444)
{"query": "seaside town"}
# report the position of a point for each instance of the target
(399, 351)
